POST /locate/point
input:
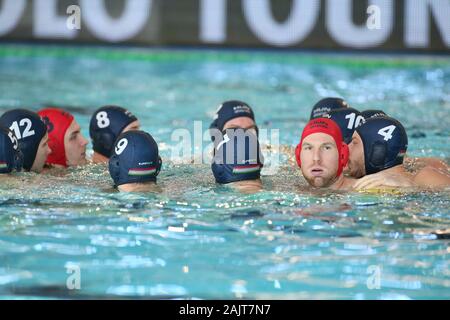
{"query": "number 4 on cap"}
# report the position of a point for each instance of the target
(386, 132)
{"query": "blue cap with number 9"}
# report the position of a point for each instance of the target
(385, 143)
(29, 130)
(107, 123)
(135, 158)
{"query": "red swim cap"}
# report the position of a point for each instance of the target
(329, 127)
(57, 121)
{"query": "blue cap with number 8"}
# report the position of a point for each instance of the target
(29, 130)
(11, 157)
(385, 143)
(135, 158)
(107, 123)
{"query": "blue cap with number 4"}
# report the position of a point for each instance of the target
(107, 123)
(29, 130)
(135, 158)
(385, 143)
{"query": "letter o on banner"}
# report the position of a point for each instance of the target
(10, 15)
(299, 24)
(131, 22)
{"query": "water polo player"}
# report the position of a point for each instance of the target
(65, 138)
(378, 149)
(410, 163)
(106, 124)
(322, 155)
(135, 162)
(32, 136)
(238, 160)
(11, 158)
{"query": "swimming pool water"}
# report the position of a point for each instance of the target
(194, 239)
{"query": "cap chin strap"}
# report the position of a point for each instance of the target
(377, 157)
(114, 168)
(344, 156)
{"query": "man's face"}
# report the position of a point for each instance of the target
(75, 145)
(242, 123)
(320, 159)
(356, 165)
(135, 125)
(41, 155)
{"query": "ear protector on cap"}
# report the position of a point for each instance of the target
(327, 126)
(384, 142)
(103, 141)
(377, 154)
(11, 158)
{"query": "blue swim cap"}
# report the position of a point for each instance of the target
(237, 157)
(347, 119)
(230, 110)
(106, 125)
(29, 130)
(385, 143)
(135, 158)
(326, 105)
(11, 157)
(373, 113)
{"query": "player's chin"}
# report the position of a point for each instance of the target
(317, 182)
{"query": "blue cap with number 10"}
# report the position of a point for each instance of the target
(348, 119)
(385, 143)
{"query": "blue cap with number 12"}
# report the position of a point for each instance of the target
(29, 130)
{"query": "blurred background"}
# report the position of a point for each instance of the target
(377, 25)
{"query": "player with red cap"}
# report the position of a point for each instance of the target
(322, 155)
(65, 139)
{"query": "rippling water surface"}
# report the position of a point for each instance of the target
(194, 239)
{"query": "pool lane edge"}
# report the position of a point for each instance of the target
(351, 60)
